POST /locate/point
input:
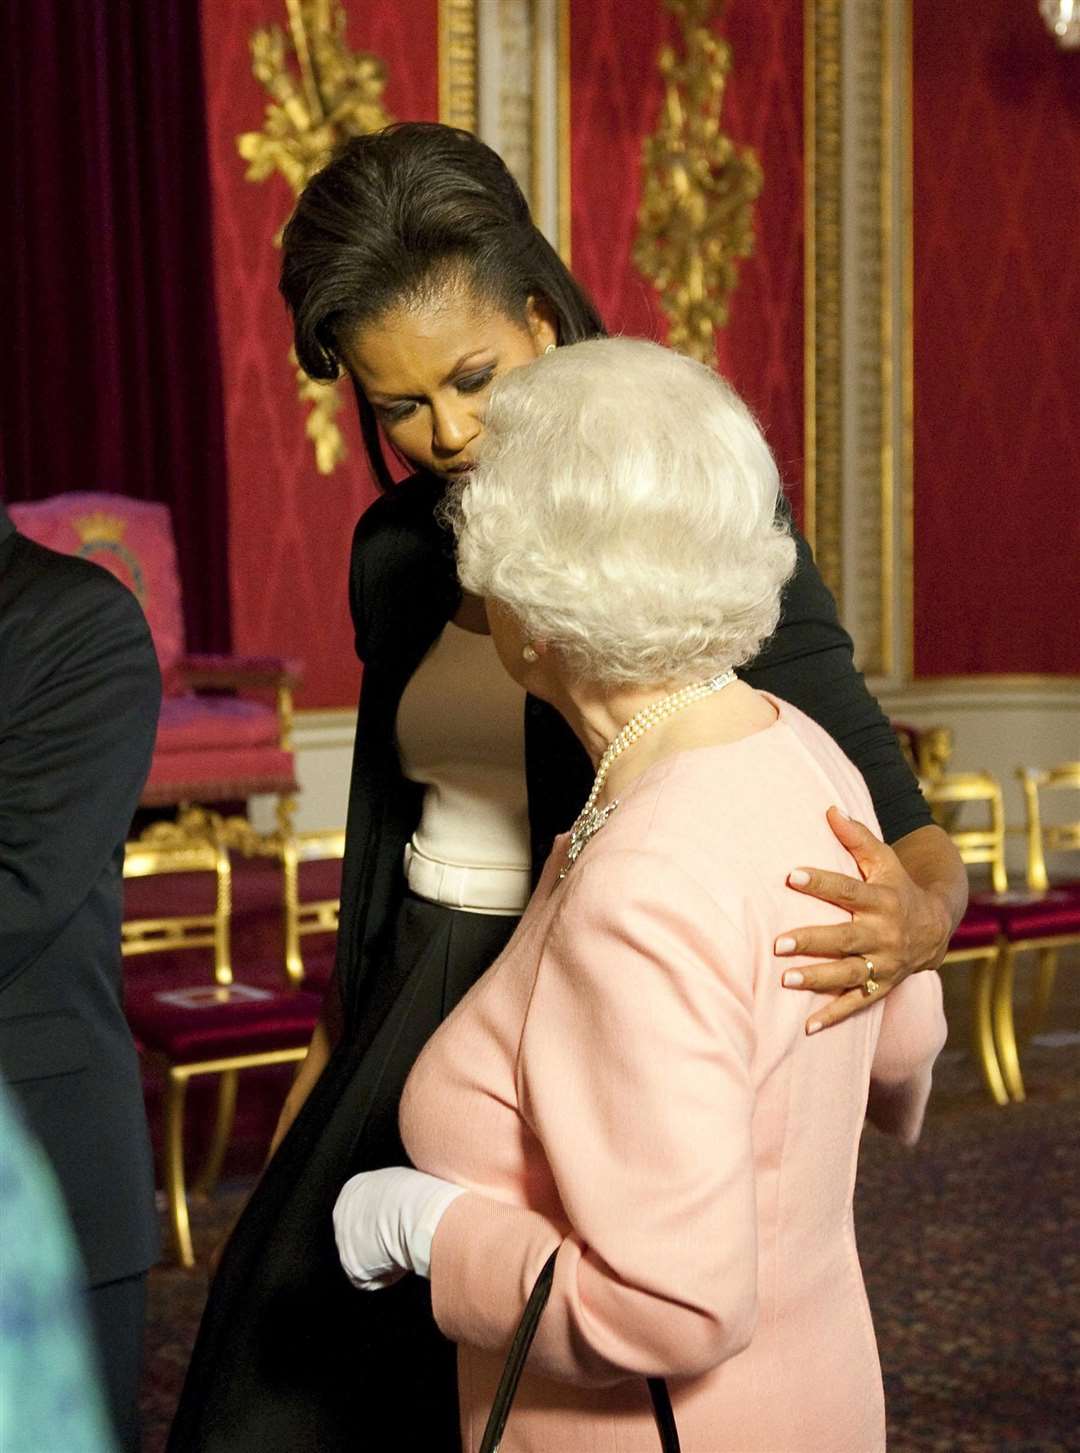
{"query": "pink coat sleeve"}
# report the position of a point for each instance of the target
(634, 1076)
(912, 1035)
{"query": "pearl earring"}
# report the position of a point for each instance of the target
(530, 654)
(550, 348)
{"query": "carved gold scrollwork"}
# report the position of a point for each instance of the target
(696, 215)
(333, 93)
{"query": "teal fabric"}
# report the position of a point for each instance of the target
(50, 1397)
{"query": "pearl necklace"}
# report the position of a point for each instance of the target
(591, 818)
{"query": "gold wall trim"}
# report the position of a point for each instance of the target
(518, 89)
(551, 137)
(457, 63)
(564, 104)
(822, 263)
(871, 371)
(695, 218)
(883, 662)
(991, 682)
(906, 473)
(537, 188)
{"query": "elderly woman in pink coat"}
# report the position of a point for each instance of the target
(629, 1085)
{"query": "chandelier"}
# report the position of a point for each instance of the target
(1063, 21)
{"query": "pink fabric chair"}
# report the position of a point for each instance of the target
(210, 749)
(214, 746)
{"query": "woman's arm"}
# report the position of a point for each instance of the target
(910, 895)
(634, 1076)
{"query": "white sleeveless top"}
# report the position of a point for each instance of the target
(461, 734)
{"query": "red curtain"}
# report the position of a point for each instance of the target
(107, 292)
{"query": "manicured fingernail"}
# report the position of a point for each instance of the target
(793, 979)
(813, 1026)
(799, 878)
(785, 945)
(842, 813)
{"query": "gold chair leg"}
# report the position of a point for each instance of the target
(1045, 975)
(1004, 1026)
(983, 1030)
(175, 1090)
(228, 1081)
(290, 871)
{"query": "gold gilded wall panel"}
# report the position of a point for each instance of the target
(858, 377)
(523, 102)
(823, 204)
(871, 457)
(457, 63)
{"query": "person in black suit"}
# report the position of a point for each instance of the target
(79, 697)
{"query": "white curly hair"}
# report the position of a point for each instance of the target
(625, 510)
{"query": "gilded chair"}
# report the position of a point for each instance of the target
(977, 939)
(304, 916)
(217, 743)
(207, 1026)
(1044, 920)
(927, 750)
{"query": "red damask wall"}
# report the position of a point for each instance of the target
(290, 527)
(616, 92)
(996, 342)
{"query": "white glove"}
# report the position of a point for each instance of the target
(385, 1222)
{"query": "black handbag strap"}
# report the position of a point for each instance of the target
(515, 1364)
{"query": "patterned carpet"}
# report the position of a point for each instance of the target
(971, 1252)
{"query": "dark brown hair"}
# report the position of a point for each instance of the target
(393, 215)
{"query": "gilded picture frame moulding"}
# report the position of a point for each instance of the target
(458, 63)
(821, 261)
(874, 149)
(550, 180)
(523, 110)
(858, 320)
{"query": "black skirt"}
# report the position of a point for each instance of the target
(289, 1356)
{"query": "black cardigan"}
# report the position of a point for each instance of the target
(403, 589)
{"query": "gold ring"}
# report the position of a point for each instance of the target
(870, 985)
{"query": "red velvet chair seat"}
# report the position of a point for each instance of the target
(1025, 915)
(192, 1023)
(218, 775)
(214, 748)
(978, 927)
(208, 723)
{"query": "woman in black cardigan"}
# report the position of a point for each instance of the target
(412, 263)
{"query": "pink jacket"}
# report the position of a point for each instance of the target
(629, 1084)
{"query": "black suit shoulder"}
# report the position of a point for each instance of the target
(55, 608)
(25, 562)
(37, 582)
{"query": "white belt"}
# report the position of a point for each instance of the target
(475, 889)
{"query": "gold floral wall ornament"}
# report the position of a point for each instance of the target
(320, 93)
(696, 214)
